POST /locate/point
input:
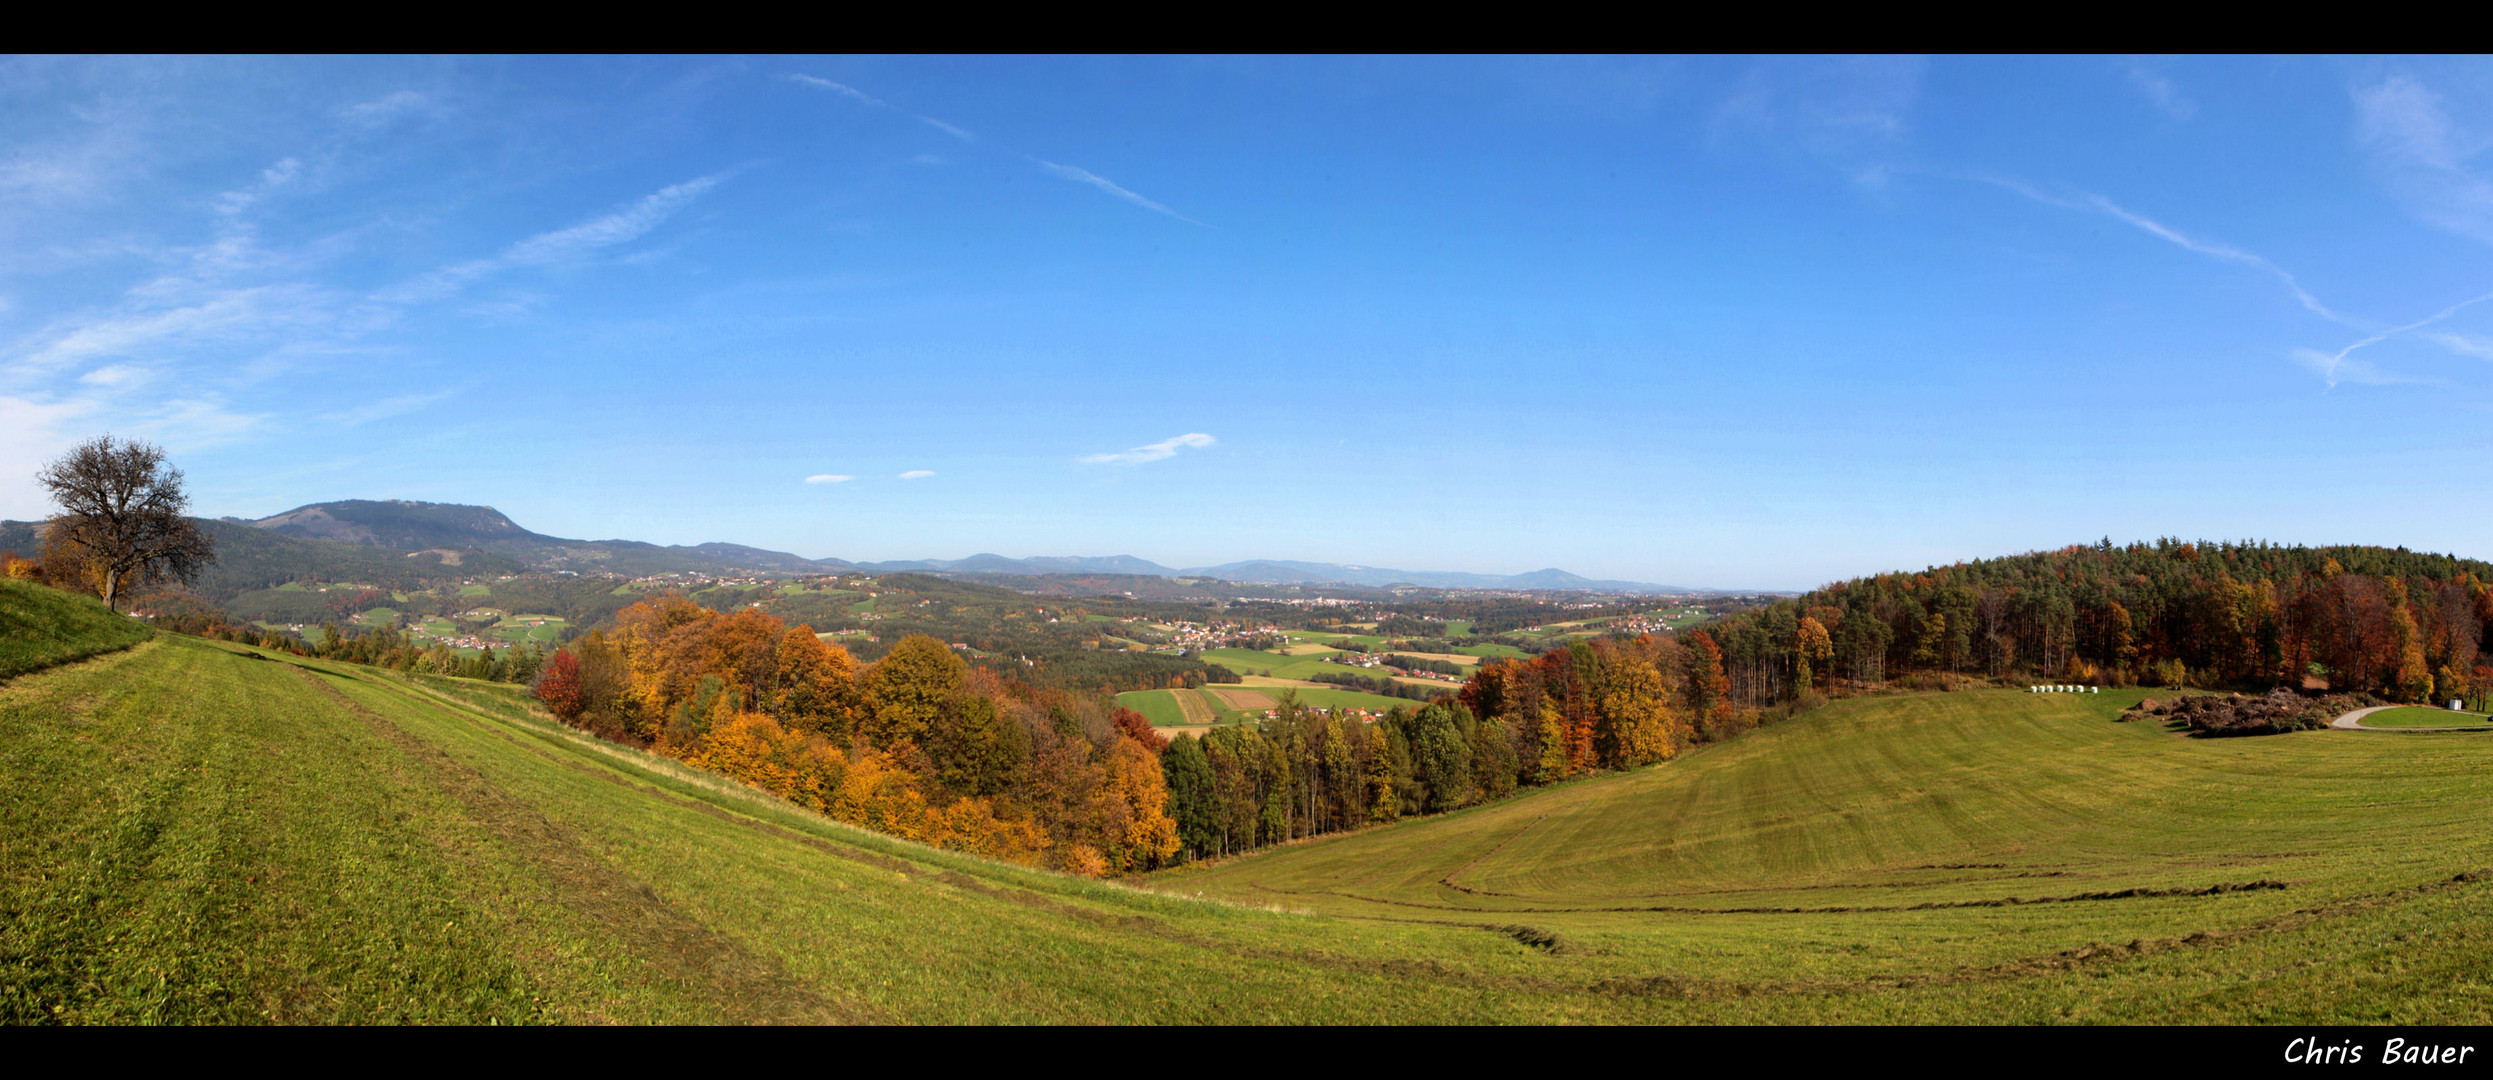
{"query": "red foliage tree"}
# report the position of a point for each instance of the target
(1136, 726)
(559, 686)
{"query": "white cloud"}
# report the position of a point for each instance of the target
(2339, 368)
(271, 179)
(2424, 155)
(561, 245)
(222, 316)
(1165, 448)
(389, 108)
(2210, 248)
(2159, 91)
(917, 474)
(2463, 344)
(2336, 368)
(31, 433)
(1850, 110)
(828, 478)
(115, 376)
(863, 98)
(385, 408)
(1085, 176)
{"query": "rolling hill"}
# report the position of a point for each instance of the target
(202, 832)
(410, 526)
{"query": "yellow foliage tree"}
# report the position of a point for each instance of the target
(1812, 652)
(817, 686)
(906, 691)
(1135, 797)
(1638, 724)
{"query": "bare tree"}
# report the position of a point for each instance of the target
(121, 515)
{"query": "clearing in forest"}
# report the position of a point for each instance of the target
(1241, 699)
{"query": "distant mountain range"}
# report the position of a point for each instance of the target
(423, 526)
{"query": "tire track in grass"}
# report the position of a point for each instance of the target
(750, 989)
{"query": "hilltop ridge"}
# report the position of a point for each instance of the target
(412, 525)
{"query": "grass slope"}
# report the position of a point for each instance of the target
(40, 627)
(203, 833)
(1975, 856)
(2418, 716)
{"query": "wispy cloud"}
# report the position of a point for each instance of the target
(1085, 176)
(2210, 248)
(565, 245)
(2424, 155)
(828, 478)
(863, 98)
(389, 108)
(223, 317)
(31, 432)
(2336, 368)
(2463, 344)
(2159, 90)
(917, 474)
(1851, 112)
(1074, 173)
(385, 408)
(1165, 448)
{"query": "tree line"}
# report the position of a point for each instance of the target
(918, 743)
(2405, 625)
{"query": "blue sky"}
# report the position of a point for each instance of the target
(1726, 322)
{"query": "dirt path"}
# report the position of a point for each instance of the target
(2353, 721)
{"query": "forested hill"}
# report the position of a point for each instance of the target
(2404, 623)
(248, 558)
(405, 525)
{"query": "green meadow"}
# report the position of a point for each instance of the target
(1158, 706)
(206, 833)
(2417, 717)
(1986, 856)
(545, 630)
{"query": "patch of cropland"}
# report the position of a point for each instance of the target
(40, 627)
(1985, 855)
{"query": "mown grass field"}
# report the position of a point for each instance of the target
(2417, 716)
(200, 832)
(40, 627)
(1991, 856)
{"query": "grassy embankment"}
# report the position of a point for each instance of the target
(40, 627)
(201, 832)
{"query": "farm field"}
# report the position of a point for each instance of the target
(1158, 706)
(1491, 651)
(1986, 855)
(2416, 716)
(522, 629)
